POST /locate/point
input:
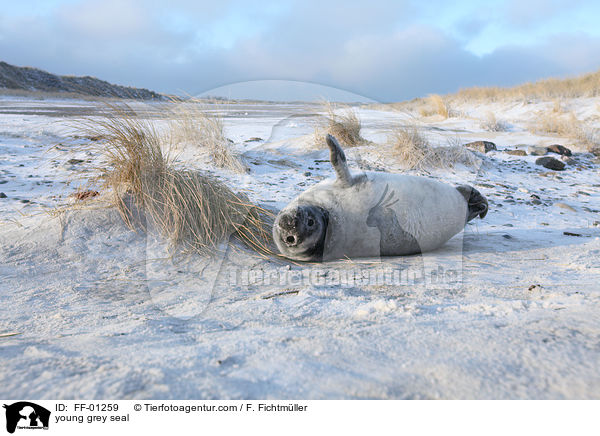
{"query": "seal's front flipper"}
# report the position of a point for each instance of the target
(477, 203)
(338, 160)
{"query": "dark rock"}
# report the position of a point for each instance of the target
(308, 173)
(516, 152)
(253, 139)
(537, 151)
(595, 151)
(559, 149)
(482, 146)
(74, 161)
(550, 163)
(2, 195)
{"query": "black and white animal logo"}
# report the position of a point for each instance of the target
(26, 415)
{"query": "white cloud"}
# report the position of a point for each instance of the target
(385, 52)
(104, 19)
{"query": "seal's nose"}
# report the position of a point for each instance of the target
(290, 228)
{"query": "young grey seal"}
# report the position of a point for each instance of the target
(373, 214)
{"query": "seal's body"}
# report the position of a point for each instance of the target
(373, 214)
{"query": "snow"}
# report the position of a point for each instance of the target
(508, 309)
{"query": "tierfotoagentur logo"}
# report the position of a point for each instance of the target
(345, 278)
(26, 415)
(410, 228)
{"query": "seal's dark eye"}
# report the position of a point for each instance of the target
(311, 222)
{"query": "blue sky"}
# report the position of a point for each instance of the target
(381, 49)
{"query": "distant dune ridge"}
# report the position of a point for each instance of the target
(35, 80)
(585, 85)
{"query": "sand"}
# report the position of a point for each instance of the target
(91, 309)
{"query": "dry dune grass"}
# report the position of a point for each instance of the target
(551, 89)
(565, 125)
(492, 124)
(435, 104)
(344, 124)
(413, 151)
(194, 211)
(587, 85)
(557, 108)
(440, 105)
(191, 124)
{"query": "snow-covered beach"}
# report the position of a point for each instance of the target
(507, 310)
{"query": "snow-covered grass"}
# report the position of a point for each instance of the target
(508, 309)
(343, 123)
(492, 124)
(192, 126)
(586, 85)
(192, 209)
(566, 125)
(413, 151)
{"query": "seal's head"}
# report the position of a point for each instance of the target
(299, 232)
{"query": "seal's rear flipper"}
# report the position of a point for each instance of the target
(477, 203)
(338, 160)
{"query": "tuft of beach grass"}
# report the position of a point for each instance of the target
(194, 210)
(413, 151)
(341, 122)
(192, 124)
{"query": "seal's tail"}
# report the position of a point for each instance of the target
(477, 203)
